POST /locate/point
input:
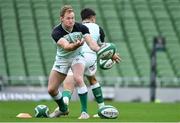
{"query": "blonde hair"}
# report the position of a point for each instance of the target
(66, 8)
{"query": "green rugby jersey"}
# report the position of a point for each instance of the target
(78, 32)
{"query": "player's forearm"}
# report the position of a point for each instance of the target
(92, 44)
(68, 46)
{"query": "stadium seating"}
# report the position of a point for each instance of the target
(27, 49)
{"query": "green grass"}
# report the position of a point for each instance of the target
(129, 112)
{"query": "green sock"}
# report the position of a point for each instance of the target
(67, 93)
(83, 99)
(62, 106)
(98, 95)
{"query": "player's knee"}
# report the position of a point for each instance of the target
(78, 79)
(93, 81)
(52, 91)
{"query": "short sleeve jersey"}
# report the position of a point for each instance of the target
(96, 33)
(78, 32)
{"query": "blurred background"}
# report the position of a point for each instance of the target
(27, 50)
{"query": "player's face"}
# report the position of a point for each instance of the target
(93, 19)
(68, 19)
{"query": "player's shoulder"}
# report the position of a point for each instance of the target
(78, 25)
(91, 24)
(57, 32)
(57, 29)
(94, 24)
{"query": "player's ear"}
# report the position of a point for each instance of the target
(94, 19)
(61, 19)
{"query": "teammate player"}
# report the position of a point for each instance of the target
(88, 19)
(68, 37)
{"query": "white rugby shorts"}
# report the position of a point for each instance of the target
(89, 61)
(62, 65)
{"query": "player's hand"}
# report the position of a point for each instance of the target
(78, 43)
(116, 57)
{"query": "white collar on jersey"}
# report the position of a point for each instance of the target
(86, 22)
(65, 28)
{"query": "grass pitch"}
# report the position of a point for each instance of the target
(129, 112)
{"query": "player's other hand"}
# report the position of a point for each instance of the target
(80, 42)
(116, 57)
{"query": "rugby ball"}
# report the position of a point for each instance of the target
(106, 51)
(105, 64)
(73, 37)
(41, 111)
(108, 112)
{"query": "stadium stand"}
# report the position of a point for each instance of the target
(27, 50)
(11, 41)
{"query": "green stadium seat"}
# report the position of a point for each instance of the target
(55, 6)
(144, 14)
(49, 50)
(3, 67)
(126, 66)
(163, 66)
(41, 13)
(114, 31)
(15, 62)
(131, 24)
(112, 73)
(23, 4)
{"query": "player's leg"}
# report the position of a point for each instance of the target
(78, 67)
(57, 76)
(68, 86)
(78, 74)
(91, 68)
(96, 89)
(55, 80)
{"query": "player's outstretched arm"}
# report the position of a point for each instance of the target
(92, 44)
